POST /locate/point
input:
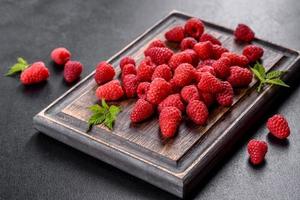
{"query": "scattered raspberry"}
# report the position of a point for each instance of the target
(169, 121)
(204, 50)
(239, 77)
(210, 84)
(208, 62)
(194, 56)
(207, 98)
(142, 89)
(218, 51)
(176, 34)
(278, 126)
(222, 68)
(243, 33)
(253, 52)
(189, 93)
(257, 151)
(141, 111)
(104, 73)
(236, 59)
(225, 98)
(162, 71)
(110, 91)
(130, 84)
(179, 58)
(197, 111)
(188, 43)
(159, 55)
(126, 60)
(208, 37)
(72, 71)
(145, 70)
(194, 27)
(36, 73)
(156, 43)
(128, 69)
(173, 100)
(60, 55)
(184, 75)
(206, 68)
(159, 89)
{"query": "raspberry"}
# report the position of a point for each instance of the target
(189, 93)
(197, 111)
(253, 52)
(278, 126)
(204, 50)
(126, 60)
(179, 58)
(218, 51)
(208, 62)
(184, 75)
(193, 55)
(72, 71)
(173, 100)
(225, 98)
(175, 88)
(169, 121)
(222, 68)
(210, 84)
(236, 59)
(162, 71)
(207, 98)
(128, 69)
(159, 55)
(207, 68)
(239, 77)
(159, 89)
(145, 70)
(257, 150)
(194, 27)
(60, 55)
(110, 91)
(130, 84)
(141, 111)
(104, 73)
(36, 73)
(243, 33)
(188, 43)
(175, 34)
(142, 89)
(156, 43)
(198, 75)
(208, 37)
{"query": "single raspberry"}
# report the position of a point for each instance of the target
(218, 51)
(60, 55)
(126, 60)
(110, 91)
(128, 69)
(204, 50)
(159, 89)
(253, 52)
(162, 71)
(175, 34)
(130, 84)
(184, 75)
(210, 84)
(278, 126)
(72, 71)
(179, 58)
(225, 98)
(104, 73)
(239, 77)
(169, 121)
(159, 55)
(156, 43)
(36, 73)
(206, 68)
(222, 68)
(236, 59)
(189, 93)
(207, 98)
(243, 33)
(141, 111)
(188, 43)
(173, 100)
(142, 89)
(208, 37)
(194, 27)
(194, 56)
(208, 62)
(145, 70)
(197, 111)
(257, 150)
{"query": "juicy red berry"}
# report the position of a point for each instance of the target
(145, 70)
(104, 73)
(169, 121)
(239, 77)
(159, 55)
(156, 43)
(175, 34)
(257, 150)
(60, 55)
(162, 71)
(159, 89)
(194, 27)
(189, 93)
(36, 73)
(225, 98)
(179, 58)
(208, 62)
(142, 90)
(253, 52)
(278, 126)
(218, 51)
(206, 68)
(208, 37)
(207, 98)
(194, 56)
(141, 111)
(126, 60)
(197, 111)
(222, 68)
(210, 84)
(110, 91)
(204, 50)
(243, 33)
(130, 84)
(72, 71)
(236, 59)
(184, 75)
(173, 100)
(188, 43)
(128, 69)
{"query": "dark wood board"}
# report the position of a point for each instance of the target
(174, 165)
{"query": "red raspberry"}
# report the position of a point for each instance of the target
(188, 43)
(253, 52)
(110, 91)
(128, 69)
(194, 27)
(130, 84)
(197, 111)
(156, 43)
(198, 75)
(179, 58)
(72, 71)
(257, 151)
(278, 126)
(169, 121)
(208, 62)
(225, 98)
(194, 56)
(189, 93)
(206, 68)
(173, 100)
(236, 59)
(218, 51)
(207, 98)
(175, 34)
(184, 75)
(222, 68)
(210, 84)
(126, 60)
(162, 71)
(159, 89)
(145, 70)
(141, 111)
(204, 50)
(60, 55)
(36, 73)
(243, 33)
(175, 88)
(208, 37)
(239, 77)
(159, 55)
(104, 73)
(142, 89)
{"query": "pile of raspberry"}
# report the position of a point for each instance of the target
(187, 82)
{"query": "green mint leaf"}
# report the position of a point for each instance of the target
(275, 74)
(257, 74)
(20, 66)
(95, 108)
(22, 61)
(277, 81)
(104, 104)
(261, 69)
(109, 121)
(114, 110)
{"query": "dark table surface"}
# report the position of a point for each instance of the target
(34, 166)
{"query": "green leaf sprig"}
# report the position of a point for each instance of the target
(272, 77)
(18, 67)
